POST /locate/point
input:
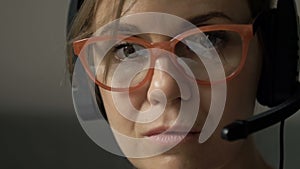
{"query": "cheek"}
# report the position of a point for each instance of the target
(116, 120)
(242, 90)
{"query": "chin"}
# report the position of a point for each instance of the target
(174, 161)
(180, 157)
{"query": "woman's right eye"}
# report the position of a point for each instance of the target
(125, 51)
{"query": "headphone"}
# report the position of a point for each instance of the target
(278, 87)
(279, 30)
(73, 10)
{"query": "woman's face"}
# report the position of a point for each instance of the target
(241, 94)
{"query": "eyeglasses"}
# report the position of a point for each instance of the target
(113, 62)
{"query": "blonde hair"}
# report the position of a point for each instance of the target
(84, 24)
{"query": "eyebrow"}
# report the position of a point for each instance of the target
(121, 27)
(196, 20)
(200, 19)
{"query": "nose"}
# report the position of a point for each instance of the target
(167, 81)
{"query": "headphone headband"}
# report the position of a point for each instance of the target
(74, 7)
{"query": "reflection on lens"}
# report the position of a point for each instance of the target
(199, 51)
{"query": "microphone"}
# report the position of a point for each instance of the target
(240, 129)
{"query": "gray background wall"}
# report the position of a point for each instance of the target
(38, 126)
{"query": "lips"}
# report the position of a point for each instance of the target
(174, 135)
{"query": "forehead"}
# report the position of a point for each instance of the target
(238, 10)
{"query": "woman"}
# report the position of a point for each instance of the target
(241, 83)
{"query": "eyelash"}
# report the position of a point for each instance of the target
(137, 49)
(121, 45)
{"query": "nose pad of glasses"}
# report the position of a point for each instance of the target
(165, 45)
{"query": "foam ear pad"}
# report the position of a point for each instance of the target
(279, 35)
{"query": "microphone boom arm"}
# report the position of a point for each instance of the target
(240, 129)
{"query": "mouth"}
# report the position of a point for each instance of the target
(174, 135)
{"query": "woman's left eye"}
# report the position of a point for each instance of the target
(129, 51)
(209, 40)
(213, 39)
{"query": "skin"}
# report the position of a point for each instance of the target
(215, 153)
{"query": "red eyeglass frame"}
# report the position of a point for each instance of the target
(246, 32)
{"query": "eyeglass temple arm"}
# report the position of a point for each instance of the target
(78, 45)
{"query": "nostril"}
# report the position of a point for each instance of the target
(157, 96)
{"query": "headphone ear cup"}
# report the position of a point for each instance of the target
(279, 35)
(266, 32)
